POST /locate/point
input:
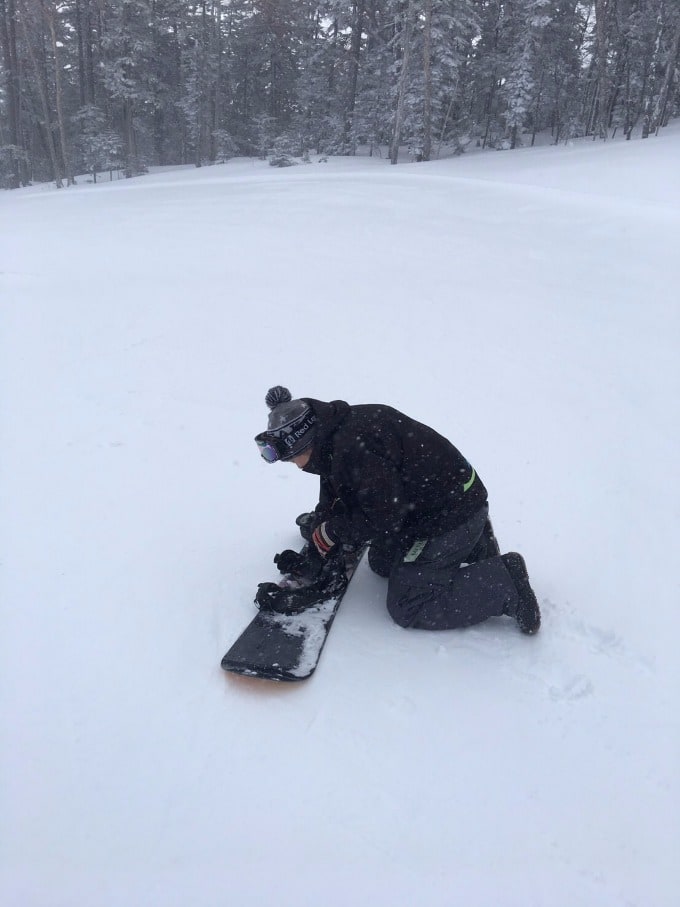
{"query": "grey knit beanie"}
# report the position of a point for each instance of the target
(290, 421)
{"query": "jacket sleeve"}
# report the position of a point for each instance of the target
(325, 497)
(378, 507)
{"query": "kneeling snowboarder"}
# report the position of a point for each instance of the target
(397, 485)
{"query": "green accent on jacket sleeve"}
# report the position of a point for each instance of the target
(468, 485)
(415, 551)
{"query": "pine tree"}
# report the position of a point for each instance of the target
(454, 27)
(522, 89)
(127, 65)
(101, 149)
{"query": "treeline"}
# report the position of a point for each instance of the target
(104, 85)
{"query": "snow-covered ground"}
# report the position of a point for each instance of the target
(524, 304)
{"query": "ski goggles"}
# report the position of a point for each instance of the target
(271, 449)
(292, 439)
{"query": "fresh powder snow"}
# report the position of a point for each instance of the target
(524, 304)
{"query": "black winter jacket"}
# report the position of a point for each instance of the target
(386, 476)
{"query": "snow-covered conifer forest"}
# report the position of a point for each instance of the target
(120, 85)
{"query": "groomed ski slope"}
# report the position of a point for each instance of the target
(526, 305)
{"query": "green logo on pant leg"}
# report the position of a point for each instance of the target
(415, 551)
(468, 485)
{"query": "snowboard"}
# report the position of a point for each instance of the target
(287, 647)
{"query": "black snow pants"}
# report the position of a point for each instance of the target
(432, 587)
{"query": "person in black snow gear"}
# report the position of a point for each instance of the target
(399, 486)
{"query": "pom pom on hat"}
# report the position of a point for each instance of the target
(277, 395)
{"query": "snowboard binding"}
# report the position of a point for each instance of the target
(287, 600)
(308, 581)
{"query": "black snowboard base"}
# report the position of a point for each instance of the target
(286, 646)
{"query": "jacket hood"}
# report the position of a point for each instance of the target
(330, 417)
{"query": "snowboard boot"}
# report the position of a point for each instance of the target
(526, 612)
(307, 522)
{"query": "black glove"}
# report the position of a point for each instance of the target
(289, 561)
(305, 564)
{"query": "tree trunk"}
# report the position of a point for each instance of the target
(89, 27)
(537, 108)
(41, 84)
(399, 114)
(354, 57)
(427, 88)
(602, 37)
(85, 64)
(130, 142)
(488, 109)
(10, 57)
(82, 77)
(49, 12)
(201, 104)
(445, 121)
(218, 88)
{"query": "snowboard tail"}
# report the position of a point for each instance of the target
(287, 647)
